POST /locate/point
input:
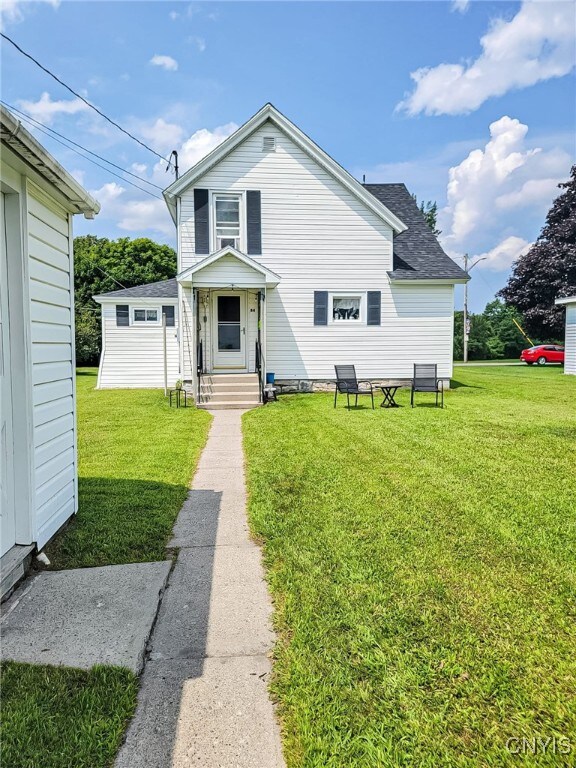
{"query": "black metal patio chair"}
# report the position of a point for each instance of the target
(347, 384)
(426, 380)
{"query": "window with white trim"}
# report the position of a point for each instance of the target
(227, 218)
(145, 316)
(346, 308)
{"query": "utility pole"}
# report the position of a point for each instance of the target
(466, 321)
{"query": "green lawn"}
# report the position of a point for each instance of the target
(136, 457)
(423, 566)
(56, 717)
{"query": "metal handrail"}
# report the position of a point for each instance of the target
(259, 367)
(199, 364)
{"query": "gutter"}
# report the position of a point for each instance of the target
(21, 142)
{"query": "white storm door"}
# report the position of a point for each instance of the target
(7, 511)
(229, 331)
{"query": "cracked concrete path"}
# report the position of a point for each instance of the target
(204, 696)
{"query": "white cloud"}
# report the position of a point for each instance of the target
(132, 215)
(162, 135)
(173, 15)
(141, 215)
(45, 110)
(14, 11)
(78, 175)
(499, 191)
(108, 193)
(460, 5)
(166, 62)
(138, 214)
(503, 255)
(537, 44)
(202, 142)
(199, 42)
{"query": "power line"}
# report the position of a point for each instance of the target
(44, 127)
(78, 96)
(126, 181)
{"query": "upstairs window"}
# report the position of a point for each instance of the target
(227, 221)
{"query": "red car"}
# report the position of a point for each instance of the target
(542, 354)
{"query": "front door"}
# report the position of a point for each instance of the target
(229, 332)
(7, 512)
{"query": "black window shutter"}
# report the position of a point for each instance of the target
(122, 314)
(169, 312)
(201, 221)
(374, 308)
(254, 221)
(320, 307)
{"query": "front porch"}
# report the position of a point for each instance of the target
(223, 332)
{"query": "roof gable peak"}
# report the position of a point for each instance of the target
(270, 112)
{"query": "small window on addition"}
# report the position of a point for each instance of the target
(268, 143)
(145, 315)
(346, 308)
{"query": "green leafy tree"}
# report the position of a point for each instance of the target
(429, 210)
(102, 265)
(548, 270)
(493, 334)
(510, 340)
(87, 323)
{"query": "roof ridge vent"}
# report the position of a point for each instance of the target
(268, 143)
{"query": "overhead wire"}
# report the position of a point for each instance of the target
(83, 99)
(72, 149)
(53, 134)
(41, 125)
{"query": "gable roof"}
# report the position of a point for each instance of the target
(417, 253)
(163, 289)
(269, 112)
(32, 154)
(272, 278)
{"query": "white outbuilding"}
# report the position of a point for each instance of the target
(38, 463)
(570, 341)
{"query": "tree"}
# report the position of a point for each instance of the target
(493, 334)
(548, 270)
(102, 265)
(430, 212)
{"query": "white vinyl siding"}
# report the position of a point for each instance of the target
(316, 235)
(226, 272)
(570, 341)
(133, 356)
(51, 315)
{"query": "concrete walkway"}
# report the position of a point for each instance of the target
(204, 699)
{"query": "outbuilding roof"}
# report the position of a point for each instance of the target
(163, 289)
(417, 253)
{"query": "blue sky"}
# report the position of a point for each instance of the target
(471, 104)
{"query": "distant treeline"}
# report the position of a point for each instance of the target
(493, 334)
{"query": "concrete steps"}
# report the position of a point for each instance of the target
(232, 390)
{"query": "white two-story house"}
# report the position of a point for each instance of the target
(286, 264)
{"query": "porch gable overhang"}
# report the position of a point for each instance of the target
(263, 276)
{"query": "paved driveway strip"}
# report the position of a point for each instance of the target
(204, 698)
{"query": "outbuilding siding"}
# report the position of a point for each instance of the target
(133, 356)
(52, 335)
(570, 342)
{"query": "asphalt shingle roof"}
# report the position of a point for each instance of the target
(164, 289)
(417, 253)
